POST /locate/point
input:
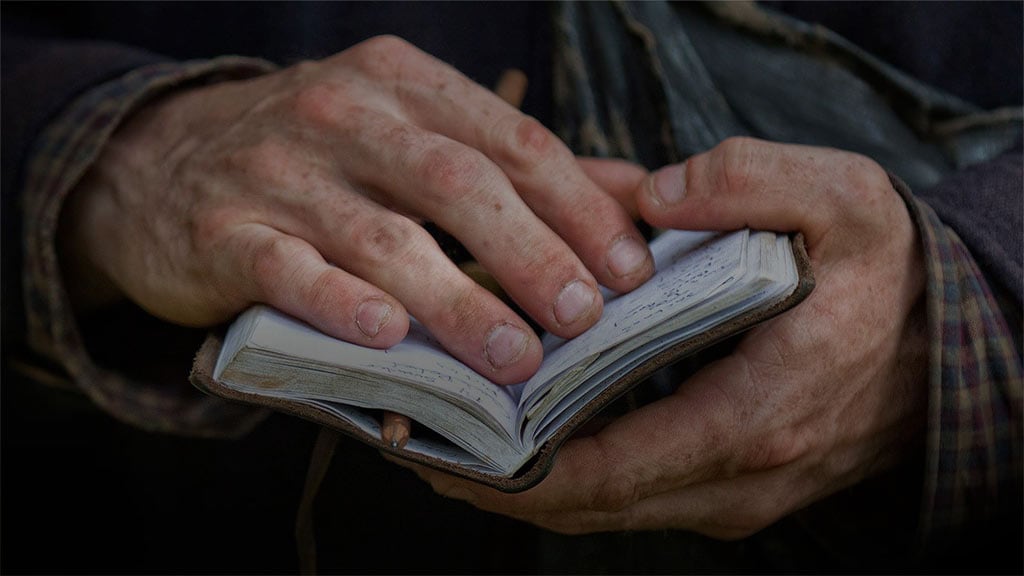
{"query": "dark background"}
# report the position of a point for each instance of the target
(83, 493)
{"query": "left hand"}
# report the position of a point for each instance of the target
(811, 402)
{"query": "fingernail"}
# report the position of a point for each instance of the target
(627, 256)
(372, 315)
(505, 344)
(669, 185)
(574, 302)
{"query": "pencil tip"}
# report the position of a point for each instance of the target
(395, 430)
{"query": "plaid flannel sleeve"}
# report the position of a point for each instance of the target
(59, 158)
(974, 437)
(973, 466)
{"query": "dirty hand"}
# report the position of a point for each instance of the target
(815, 400)
(306, 189)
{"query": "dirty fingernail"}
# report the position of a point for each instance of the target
(372, 315)
(574, 302)
(627, 256)
(505, 345)
(669, 185)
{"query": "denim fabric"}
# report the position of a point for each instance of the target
(656, 82)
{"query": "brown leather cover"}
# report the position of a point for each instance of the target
(538, 467)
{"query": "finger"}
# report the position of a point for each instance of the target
(727, 509)
(511, 88)
(544, 172)
(548, 177)
(468, 196)
(289, 274)
(398, 256)
(746, 182)
(619, 178)
(719, 424)
(691, 437)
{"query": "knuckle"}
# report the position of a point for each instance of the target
(319, 104)
(464, 310)
(453, 173)
(385, 239)
(387, 44)
(541, 261)
(538, 256)
(866, 190)
(534, 262)
(381, 56)
(522, 143)
(735, 161)
(865, 174)
(303, 70)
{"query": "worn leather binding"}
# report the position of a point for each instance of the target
(539, 466)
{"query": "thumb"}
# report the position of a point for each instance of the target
(744, 182)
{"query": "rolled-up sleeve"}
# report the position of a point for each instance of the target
(973, 460)
(63, 151)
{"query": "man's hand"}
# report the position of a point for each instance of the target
(810, 402)
(306, 188)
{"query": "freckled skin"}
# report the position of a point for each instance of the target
(809, 403)
(306, 189)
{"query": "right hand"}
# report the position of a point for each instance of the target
(305, 189)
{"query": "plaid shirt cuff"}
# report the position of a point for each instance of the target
(59, 158)
(973, 466)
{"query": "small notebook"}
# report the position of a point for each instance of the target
(707, 287)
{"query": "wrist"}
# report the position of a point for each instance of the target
(105, 208)
(79, 251)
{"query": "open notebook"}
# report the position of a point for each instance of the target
(707, 286)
